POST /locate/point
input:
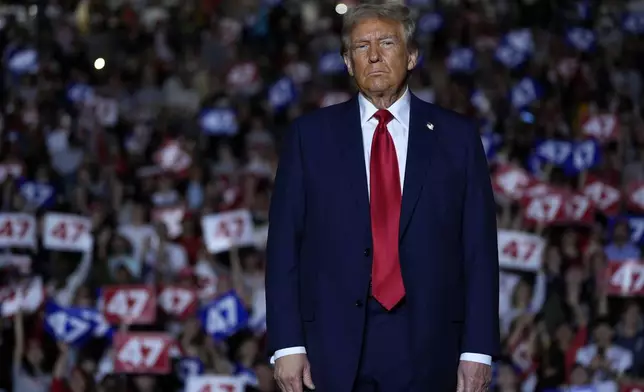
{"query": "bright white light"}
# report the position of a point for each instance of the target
(341, 8)
(99, 63)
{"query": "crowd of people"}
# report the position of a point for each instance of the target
(139, 142)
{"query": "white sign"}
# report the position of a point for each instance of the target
(224, 230)
(211, 383)
(172, 157)
(172, 218)
(26, 297)
(17, 230)
(520, 251)
(67, 232)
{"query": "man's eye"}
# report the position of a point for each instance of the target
(387, 43)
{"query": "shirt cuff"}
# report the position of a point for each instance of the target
(287, 351)
(473, 357)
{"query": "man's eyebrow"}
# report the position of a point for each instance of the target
(366, 39)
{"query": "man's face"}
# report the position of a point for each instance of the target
(378, 57)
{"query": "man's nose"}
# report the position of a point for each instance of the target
(374, 54)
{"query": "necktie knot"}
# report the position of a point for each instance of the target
(383, 116)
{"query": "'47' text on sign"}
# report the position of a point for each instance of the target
(133, 304)
(227, 229)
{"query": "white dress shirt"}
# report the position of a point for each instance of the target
(398, 127)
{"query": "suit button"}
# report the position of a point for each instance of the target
(367, 252)
(358, 304)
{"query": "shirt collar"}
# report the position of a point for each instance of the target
(399, 109)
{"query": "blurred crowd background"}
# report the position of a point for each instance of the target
(139, 140)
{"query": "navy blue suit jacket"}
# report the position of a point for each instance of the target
(319, 241)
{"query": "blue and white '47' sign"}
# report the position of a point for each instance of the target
(461, 60)
(430, 22)
(515, 48)
(581, 39)
(218, 121)
(331, 63)
(224, 316)
(74, 326)
(572, 157)
(524, 93)
(635, 223)
(282, 93)
(555, 152)
(584, 156)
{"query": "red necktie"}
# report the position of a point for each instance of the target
(386, 279)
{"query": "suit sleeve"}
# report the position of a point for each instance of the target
(481, 255)
(283, 321)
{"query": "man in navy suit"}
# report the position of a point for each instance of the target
(382, 269)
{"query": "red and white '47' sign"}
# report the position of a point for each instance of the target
(210, 383)
(519, 250)
(134, 304)
(603, 127)
(545, 209)
(67, 232)
(635, 197)
(625, 278)
(172, 157)
(580, 209)
(178, 301)
(224, 230)
(142, 352)
(605, 197)
(510, 182)
(17, 230)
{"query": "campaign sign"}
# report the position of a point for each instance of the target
(545, 209)
(142, 353)
(72, 325)
(25, 297)
(224, 316)
(510, 181)
(178, 301)
(227, 229)
(519, 250)
(635, 197)
(67, 232)
(605, 197)
(172, 157)
(603, 127)
(212, 383)
(625, 278)
(132, 304)
(17, 230)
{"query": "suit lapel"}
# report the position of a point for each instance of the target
(420, 151)
(352, 158)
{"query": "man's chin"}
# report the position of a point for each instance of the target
(378, 84)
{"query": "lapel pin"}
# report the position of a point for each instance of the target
(430, 126)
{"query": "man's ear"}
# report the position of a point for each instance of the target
(413, 59)
(347, 62)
